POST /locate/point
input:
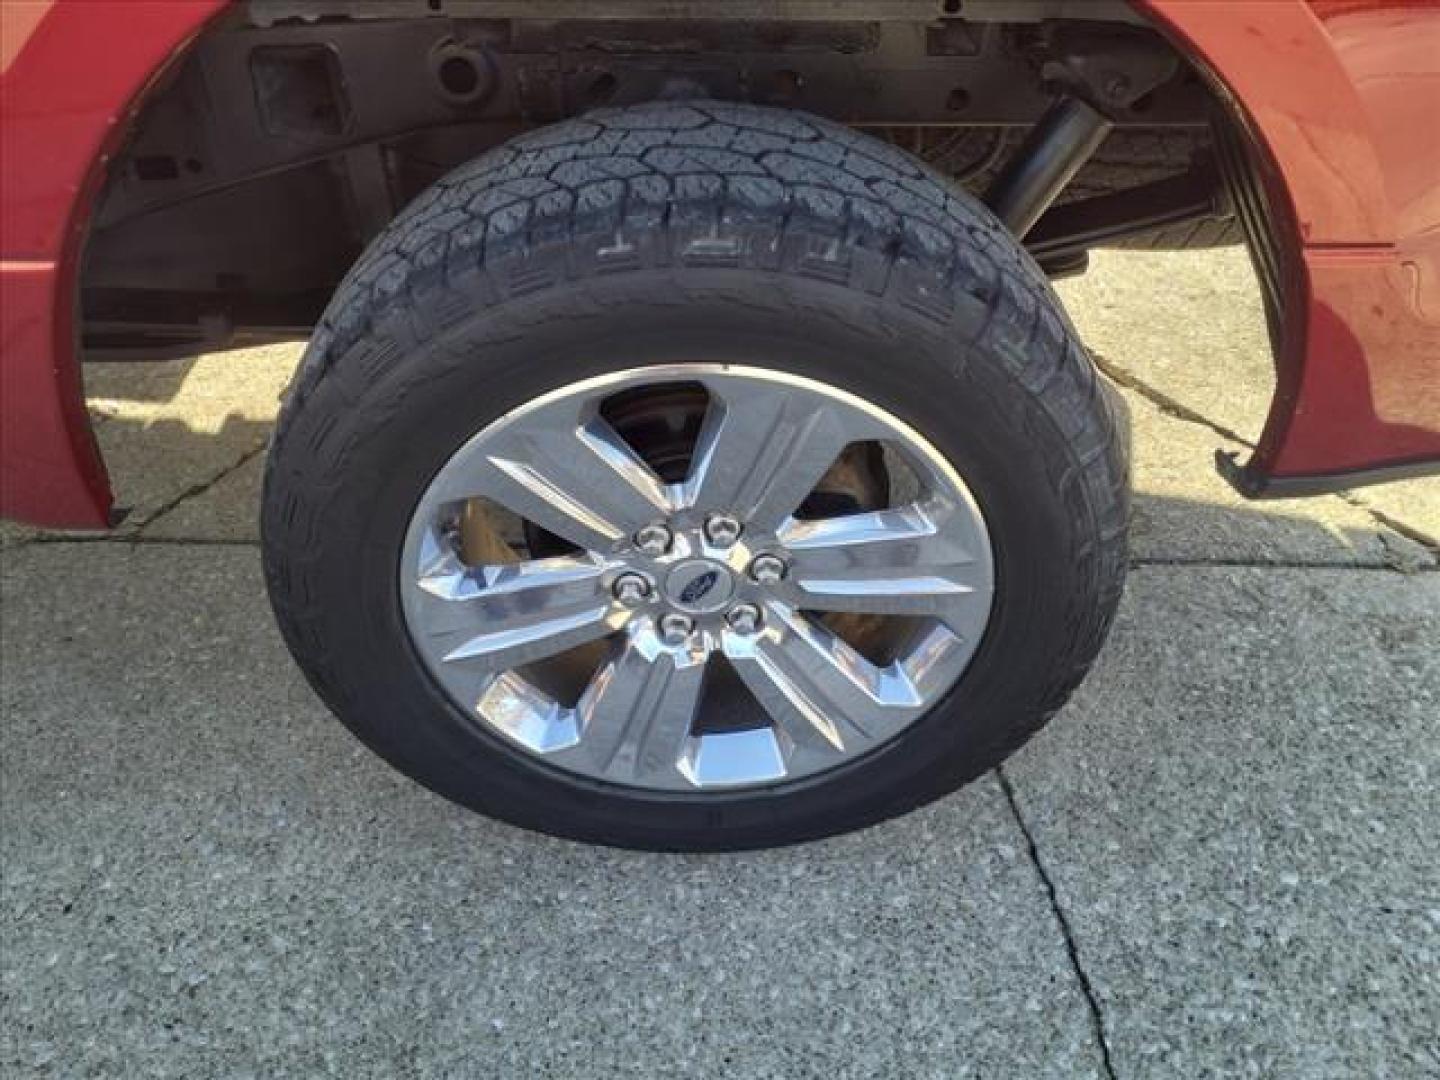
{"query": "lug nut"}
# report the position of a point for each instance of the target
(722, 530)
(675, 628)
(744, 618)
(767, 569)
(654, 540)
(630, 588)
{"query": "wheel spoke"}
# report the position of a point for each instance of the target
(761, 451)
(534, 720)
(572, 476)
(499, 617)
(636, 716)
(912, 560)
(827, 699)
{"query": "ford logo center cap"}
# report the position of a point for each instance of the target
(699, 585)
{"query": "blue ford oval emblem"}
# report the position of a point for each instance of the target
(697, 589)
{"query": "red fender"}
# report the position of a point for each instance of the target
(74, 74)
(1341, 96)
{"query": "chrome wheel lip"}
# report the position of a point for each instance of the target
(501, 704)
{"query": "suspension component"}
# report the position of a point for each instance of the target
(1046, 161)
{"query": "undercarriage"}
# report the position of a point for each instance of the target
(295, 130)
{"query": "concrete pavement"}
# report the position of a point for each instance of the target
(207, 875)
(1219, 860)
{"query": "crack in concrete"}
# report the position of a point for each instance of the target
(1425, 540)
(1177, 410)
(132, 531)
(198, 488)
(1087, 989)
(1146, 561)
(1164, 402)
(136, 540)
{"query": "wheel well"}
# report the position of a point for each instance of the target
(293, 130)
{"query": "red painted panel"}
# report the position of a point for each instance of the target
(72, 69)
(1342, 96)
(1391, 54)
(1370, 392)
(1278, 62)
(50, 473)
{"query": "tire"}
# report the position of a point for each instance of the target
(712, 233)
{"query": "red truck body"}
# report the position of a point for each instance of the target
(1340, 98)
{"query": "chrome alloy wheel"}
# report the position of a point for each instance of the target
(656, 585)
